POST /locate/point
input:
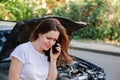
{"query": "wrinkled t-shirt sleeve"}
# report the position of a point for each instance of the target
(19, 53)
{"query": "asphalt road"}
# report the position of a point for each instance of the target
(110, 64)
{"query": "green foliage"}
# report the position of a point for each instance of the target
(19, 10)
(99, 33)
(61, 11)
(68, 10)
(39, 12)
(104, 19)
(110, 32)
(87, 33)
(93, 12)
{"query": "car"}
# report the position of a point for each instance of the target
(13, 33)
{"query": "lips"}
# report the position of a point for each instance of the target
(48, 46)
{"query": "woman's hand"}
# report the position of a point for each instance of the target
(53, 66)
(55, 56)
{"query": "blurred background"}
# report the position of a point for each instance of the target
(103, 16)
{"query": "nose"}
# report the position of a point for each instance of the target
(51, 42)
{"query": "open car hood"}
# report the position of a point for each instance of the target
(22, 30)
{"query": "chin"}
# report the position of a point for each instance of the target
(46, 49)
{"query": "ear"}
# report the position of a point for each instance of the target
(39, 35)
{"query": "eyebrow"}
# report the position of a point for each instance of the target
(51, 37)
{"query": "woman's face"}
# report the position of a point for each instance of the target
(48, 39)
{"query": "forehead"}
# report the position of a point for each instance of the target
(52, 34)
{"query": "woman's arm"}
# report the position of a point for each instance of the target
(53, 71)
(16, 67)
(53, 64)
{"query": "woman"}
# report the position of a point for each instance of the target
(35, 60)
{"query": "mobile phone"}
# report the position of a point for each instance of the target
(54, 50)
(47, 53)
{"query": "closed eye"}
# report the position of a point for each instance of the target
(49, 38)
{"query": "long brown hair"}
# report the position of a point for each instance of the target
(50, 24)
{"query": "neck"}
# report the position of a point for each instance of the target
(37, 46)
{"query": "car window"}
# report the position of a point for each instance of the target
(5, 29)
(3, 37)
(6, 25)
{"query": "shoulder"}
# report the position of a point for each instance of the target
(23, 45)
(20, 52)
(21, 48)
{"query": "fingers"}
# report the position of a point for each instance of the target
(58, 45)
(58, 48)
(54, 56)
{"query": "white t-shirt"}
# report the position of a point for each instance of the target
(36, 66)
